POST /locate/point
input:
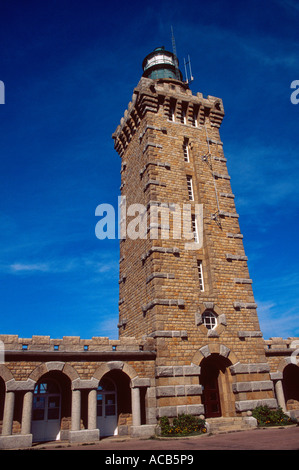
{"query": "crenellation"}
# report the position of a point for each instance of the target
(68, 344)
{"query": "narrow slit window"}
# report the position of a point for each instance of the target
(190, 188)
(184, 113)
(200, 275)
(194, 117)
(186, 151)
(194, 228)
(172, 110)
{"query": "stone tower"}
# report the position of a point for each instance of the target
(184, 282)
(190, 340)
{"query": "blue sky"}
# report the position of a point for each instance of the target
(69, 69)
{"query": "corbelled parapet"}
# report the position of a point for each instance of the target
(150, 95)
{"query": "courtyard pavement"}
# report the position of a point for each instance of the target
(286, 438)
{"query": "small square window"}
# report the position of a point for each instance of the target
(56, 347)
(86, 347)
(24, 347)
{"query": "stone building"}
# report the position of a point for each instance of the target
(189, 335)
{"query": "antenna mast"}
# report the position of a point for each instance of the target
(176, 63)
(190, 71)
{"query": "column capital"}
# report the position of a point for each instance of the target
(138, 382)
(79, 384)
(20, 385)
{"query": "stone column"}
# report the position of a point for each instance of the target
(76, 410)
(27, 412)
(92, 409)
(76, 434)
(136, 414)
(8, 413)
(280, 395)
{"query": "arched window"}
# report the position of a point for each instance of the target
(209, 319)
(46, 401)
(106, 385)
(107, 408)
(106, 398)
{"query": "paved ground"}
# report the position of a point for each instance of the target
(257, 439)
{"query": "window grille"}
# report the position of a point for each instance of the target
(186, 151)
(209, 319)
(200, 275)
(194, 228)
(190, 188)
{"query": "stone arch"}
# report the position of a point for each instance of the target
(290, 383)
(123, 376)
(130, 371)
(287, 380)
(215, 361)
(209, 349)
(58, 376)
(284, 362)
(112, 365)
(70, 372)
(43, 369)
(5, 373)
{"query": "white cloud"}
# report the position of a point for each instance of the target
(102, 263)
(289, 4)
(20, 267)
(31, 268)
(107, 325)
(281, 57)
(263, 177)
(275, 322)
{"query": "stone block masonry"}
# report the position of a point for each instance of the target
(163, 152)
(152, 146)
(189, 335)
